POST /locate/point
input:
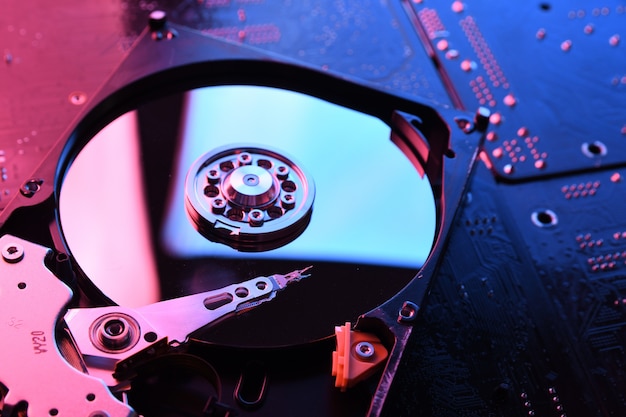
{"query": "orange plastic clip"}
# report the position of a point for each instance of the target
(357, 357)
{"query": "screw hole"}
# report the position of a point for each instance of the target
(235, 214)
(264, 163)
(227, 166)
(241, 292)
(544, 218)
(545, 6)
(91, 397)
(289, 186)
(21, 285)
(408, 312)
(150, 337)
(211, 191)
(77, 98)
(594, 149)
(274, 212)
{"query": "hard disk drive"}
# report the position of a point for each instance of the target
(223, 231)
(316, 208)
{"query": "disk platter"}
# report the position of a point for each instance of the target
(125, 213)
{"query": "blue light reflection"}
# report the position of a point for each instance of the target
(371, 206)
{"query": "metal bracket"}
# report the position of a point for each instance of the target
(31, 365)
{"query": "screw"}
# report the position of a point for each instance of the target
(114, 328)
(408, 312)
(282, 172)
(115, 333)
(288, 201)
(244, 158)
(218, 205)
(13, 253)
(255, 217)
(30, 187)
(213, 176)
(364, 350)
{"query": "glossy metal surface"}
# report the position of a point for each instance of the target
(31, 364)
(372, 212)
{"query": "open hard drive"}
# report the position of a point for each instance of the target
(229, 233)
(248, 208)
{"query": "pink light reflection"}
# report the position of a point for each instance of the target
(120, 261)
